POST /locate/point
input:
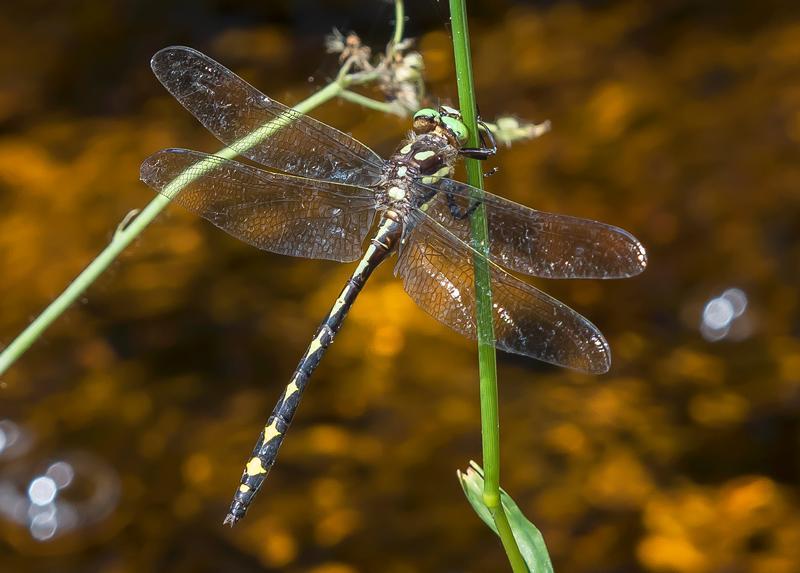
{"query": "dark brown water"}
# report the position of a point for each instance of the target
(678, 122)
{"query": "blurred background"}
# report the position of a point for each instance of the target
(677, 120)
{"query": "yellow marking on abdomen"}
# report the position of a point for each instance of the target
(244, 488)
(290, 389)
(339, 303)
(315, 345)
(254, 467)
(271, 431)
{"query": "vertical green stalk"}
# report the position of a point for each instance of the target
(490, 424)
(399, 23)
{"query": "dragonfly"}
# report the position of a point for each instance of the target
(321, 198)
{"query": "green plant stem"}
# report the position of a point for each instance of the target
(490, 424)
(399, 23)
(369, 103)
(128, 231)
(124, 236)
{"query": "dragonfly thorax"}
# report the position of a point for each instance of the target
(425, 158)
(428, 157)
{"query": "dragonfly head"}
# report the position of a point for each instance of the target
(445, 122)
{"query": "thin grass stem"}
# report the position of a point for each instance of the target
(364, 101)
(127, 232)
(399, 23)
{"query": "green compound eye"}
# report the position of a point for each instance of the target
(457, 128)
(426, 113)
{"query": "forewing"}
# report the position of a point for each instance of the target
(257, 126)
(538, 243)
(275, 212)
(437, 272)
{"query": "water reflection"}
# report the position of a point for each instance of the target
(61, 473)
(721, 314)
(676, 120)
(43, 523)
(14, 441)
(42, 491)
(72, 493)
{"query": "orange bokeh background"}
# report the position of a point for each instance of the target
(678, 121)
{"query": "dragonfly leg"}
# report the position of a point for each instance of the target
(429, 194)
(480, 153)
(458, 212)
(487, 149)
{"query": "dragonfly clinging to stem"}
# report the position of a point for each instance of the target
(323, 197)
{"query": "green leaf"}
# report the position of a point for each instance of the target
(528, 538)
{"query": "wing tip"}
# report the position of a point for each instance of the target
(631, 248)
(174, 62)
(640, 256)
(601, 366)
(167, 54)
(150, 165)
(598, 357)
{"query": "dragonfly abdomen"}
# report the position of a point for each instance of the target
(269, 441)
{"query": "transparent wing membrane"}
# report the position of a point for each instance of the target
(257, 126)
(275, 212)
(323, 203)
(538, 243)
(437, 272)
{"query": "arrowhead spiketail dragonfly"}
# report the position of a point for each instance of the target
(322, 198)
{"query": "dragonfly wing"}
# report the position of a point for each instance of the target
(275, 212)
(257, 126)
(437, 272)
(537, 243)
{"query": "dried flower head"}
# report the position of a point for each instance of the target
(507, 129)
(401, 79)
(350, 49)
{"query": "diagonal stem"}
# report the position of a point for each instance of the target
(126, 233)
(369, 103)
(124, 236)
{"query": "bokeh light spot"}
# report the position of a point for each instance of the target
(720, 312)
(43, 526)
(9, 433)
(61, 473)
(42, 490)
